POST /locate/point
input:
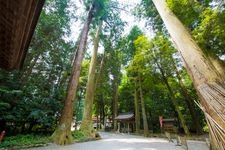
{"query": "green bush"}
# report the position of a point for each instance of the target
(24, 141)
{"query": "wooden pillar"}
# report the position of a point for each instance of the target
(128, 128)
(118, 130)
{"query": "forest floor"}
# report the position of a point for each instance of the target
(111, 141)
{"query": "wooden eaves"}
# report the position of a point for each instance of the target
(18, 19)
(123, 117)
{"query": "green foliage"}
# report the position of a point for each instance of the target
(126, 102)
(152, 60)
(23, 141)
(181, 8)
(79, 136)
(210, 34)
(148, 11)
(206, 128)
(4, 106)
(109, 64)
(206, 23)
(127, 44)
(31, 99)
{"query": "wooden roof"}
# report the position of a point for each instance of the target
(125, 116)
(18, 19)
(170, 120)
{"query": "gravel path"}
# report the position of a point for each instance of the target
(111, 141)
(197, 145)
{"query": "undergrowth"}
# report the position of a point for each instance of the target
(79, 136)
(29, 140)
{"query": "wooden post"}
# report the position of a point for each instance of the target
(118, 127)
(128, 128)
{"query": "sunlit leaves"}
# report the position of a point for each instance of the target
(181, 8)
(206, 23)
(210, 34)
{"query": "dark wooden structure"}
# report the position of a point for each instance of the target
(125, 122)
(170, 125)
(18, 19)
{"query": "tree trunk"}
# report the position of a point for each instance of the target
(190, 103)
(77, 110)
(137, 110)
(180, 115)
(27, 72)
(62, 134)
(96, 85)
(87, 125)
(115, 105)
(217, 64)
(208, 81)
(103, 112)
(145, 122)
(99, 71)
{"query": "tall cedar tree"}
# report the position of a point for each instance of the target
(62, 134)
(87, 125)
(208, 81)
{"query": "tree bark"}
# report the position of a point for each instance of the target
(145, 122)
(115, 105)
(87, 125)
(180, 115)
(96, 84)
(27, 72)
(190, 103)
(62, 134)
(218, 65)
(100, 71)
(208, 81)
(137, 110)
(103, 112)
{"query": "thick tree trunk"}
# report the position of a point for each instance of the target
(99, 72)
(62, 134)
(96, 84)
(218, 65)
(145, 122)
(208, 81)
(137, 110)
(87, 125)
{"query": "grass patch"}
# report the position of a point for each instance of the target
(79, 136)
(22, 141)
